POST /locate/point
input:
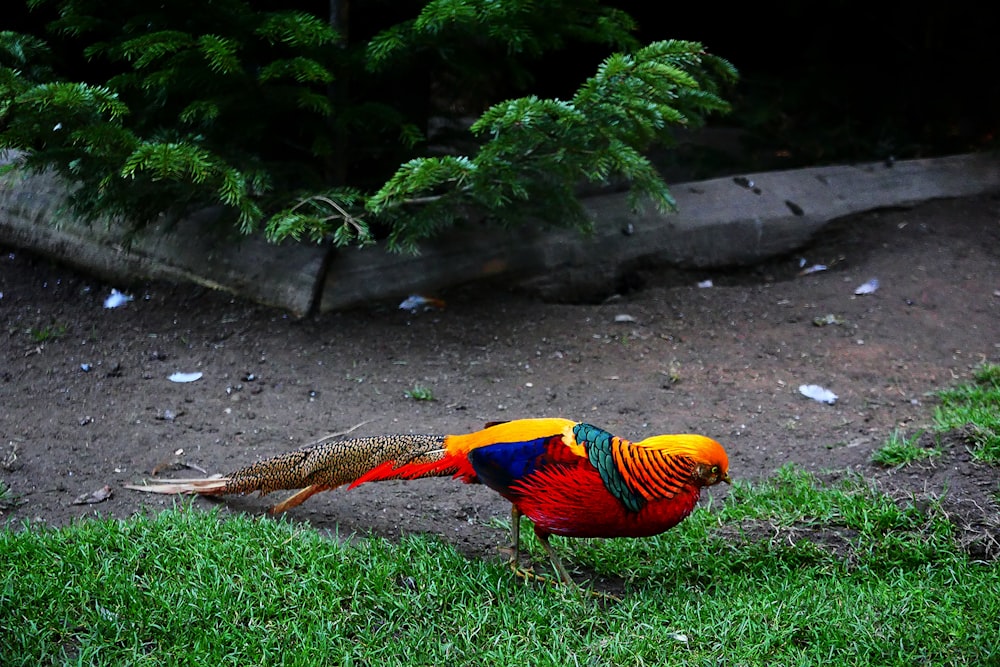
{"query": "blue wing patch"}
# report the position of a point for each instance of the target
(501, 464)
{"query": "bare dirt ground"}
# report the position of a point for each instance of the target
(666, 356)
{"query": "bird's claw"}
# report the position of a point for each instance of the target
(528, 573)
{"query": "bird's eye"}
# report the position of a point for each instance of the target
(715, 470)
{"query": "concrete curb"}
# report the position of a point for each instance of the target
(721, 222)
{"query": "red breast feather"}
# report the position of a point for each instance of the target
(574, 502)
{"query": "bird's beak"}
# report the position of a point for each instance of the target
(725, 478)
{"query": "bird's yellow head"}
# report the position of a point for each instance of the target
(711, 461)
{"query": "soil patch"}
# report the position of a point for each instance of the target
(86, 400)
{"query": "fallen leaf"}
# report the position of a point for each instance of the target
(94, 497)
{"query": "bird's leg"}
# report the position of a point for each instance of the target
(529, 574)
(515, 538)
(515, 548)
(515, 551)
(554, 557)
(563, 574)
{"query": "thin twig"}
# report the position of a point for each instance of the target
(331, 436)
(343, 214)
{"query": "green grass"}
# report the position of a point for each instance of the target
(900, 450)
(975, 409)
(420, 393)
(47, 333)
(7, 497)
(793, 518)
(785, 572)
(790, 571)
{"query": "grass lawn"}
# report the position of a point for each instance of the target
(788, 571)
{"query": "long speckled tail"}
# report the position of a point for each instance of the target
(209, 486)
(317, 468)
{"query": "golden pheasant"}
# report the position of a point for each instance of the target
(568, 478)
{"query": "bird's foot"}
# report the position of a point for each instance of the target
(608, 597)
(529, 574)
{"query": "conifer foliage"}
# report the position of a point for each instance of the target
(281, 122)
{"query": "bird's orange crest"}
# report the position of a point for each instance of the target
(698, 448)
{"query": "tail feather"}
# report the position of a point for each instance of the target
(210, 486)
(297, 498)
(322, 467)
(444, 467)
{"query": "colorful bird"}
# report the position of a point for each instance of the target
(568, 478)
